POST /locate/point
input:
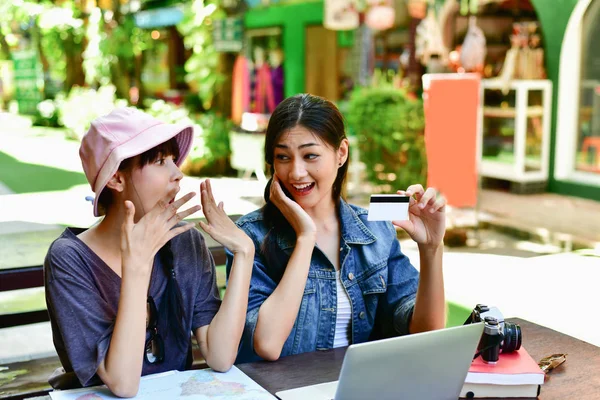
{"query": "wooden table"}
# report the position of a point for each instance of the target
(578, 378)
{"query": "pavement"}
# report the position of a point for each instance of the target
(549, 217)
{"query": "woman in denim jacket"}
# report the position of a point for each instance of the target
(323, 275)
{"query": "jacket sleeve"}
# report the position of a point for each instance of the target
(399, 300)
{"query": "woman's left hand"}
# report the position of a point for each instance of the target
(218, 224)
(427, 216)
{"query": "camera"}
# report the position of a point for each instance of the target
(498, 335)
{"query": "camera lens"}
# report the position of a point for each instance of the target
(512, 337)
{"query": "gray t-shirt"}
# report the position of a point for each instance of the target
(82, 295)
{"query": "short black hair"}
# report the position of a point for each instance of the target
(168, 148)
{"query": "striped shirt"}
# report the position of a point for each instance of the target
(344, 313)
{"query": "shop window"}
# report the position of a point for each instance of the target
(587, 151)
(265, 62)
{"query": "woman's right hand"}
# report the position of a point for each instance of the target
(141, 241)
(303, 224)
(219, 226)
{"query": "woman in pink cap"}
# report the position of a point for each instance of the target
(124, 295)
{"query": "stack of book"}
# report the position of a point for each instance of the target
(515, 374)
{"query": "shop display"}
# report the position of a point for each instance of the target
(275, 61)
(258, 86)
(247, 143)
(240, 96)
(516, 130)
(258, 75)
(588, 142)
(428, 41)
(525, 58)
(472, 56)
(361, 62)
(262, 97)
(587, 148)
(381, 15)
(340, 15)
(494, 38)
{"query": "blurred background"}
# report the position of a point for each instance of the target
(225, 65)
(496, 102)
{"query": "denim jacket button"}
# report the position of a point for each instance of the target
(361, 315)
(351, 276)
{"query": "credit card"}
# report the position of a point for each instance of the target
(388, 207)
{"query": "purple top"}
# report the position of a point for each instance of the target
(82, 294)
(277, 80)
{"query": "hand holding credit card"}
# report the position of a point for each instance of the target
(388, 207)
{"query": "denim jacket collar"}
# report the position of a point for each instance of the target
(353, 229)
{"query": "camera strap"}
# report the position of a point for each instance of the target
(496, 342)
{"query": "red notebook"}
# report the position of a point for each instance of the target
(515, 375)
(516, 368)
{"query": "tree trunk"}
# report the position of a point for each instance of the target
(415, 69)
(75, 75)
(120, 78)
(37, 38)
(222, 100)
(4, 46)
(140, 61)
(119, 75)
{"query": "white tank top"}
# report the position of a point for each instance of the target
(344, 313)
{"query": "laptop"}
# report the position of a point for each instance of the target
(424, 366)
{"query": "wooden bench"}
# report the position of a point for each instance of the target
(32, 277)
(26, 379)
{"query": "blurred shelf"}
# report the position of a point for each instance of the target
(509, 112)
(521, 163)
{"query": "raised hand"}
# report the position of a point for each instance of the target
(299, 219)
(219, 226)
(141, 241)
(427, 215)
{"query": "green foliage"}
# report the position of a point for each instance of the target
(202, 67)
(95, 64)
(168, 112)
(61, 32)
(172, 114)
(56, 31)
(82, 105)
(52, 44)
(389, 124)
(14, 14)
(216, 137)
(211, 133)
(46, 114)
(126, 41)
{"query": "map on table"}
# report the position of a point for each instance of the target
(188, 385)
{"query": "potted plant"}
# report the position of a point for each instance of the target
(388, 123)
(211, 151)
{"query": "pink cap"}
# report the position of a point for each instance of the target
(125, 133)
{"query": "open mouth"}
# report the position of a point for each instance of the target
(303, 189)
(173, 199)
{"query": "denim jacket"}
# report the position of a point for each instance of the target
(380, 281)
